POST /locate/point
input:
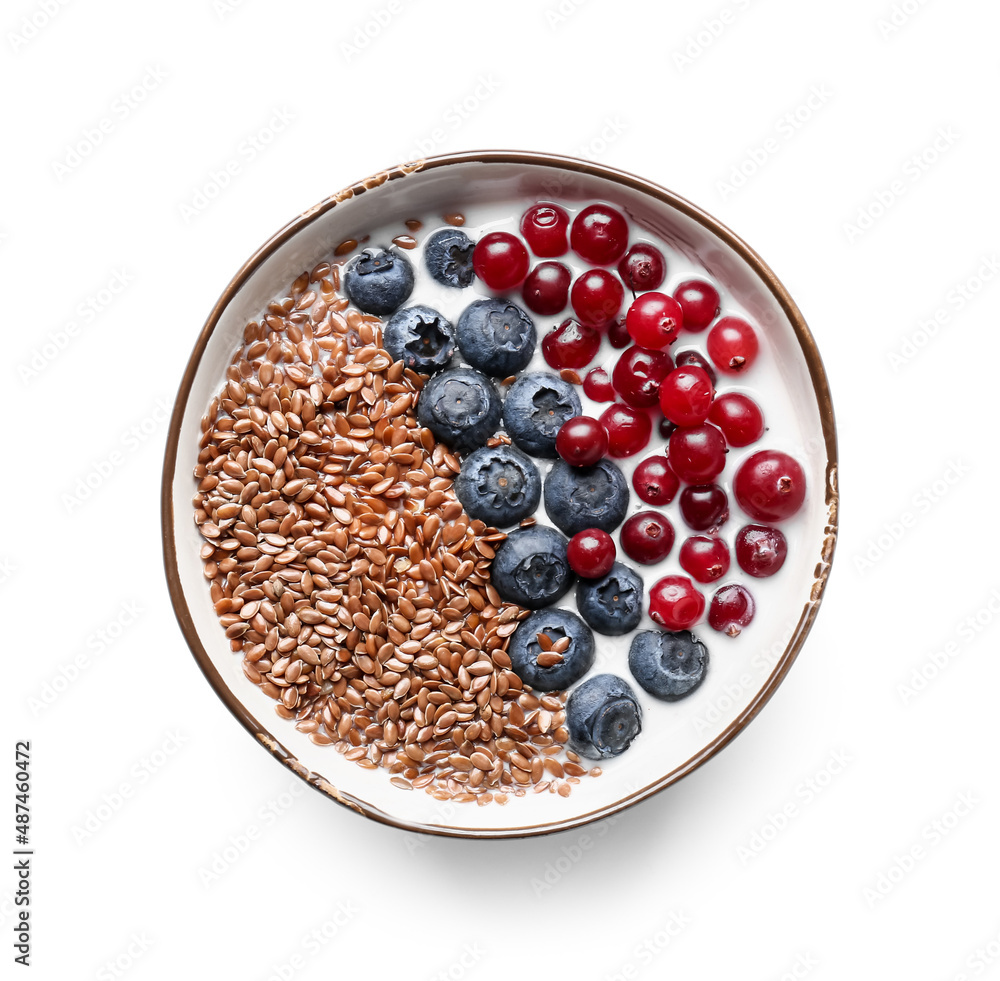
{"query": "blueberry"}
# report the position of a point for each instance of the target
(460, 407)
(496, 336)
(498, 485)
(603, 717)
(448, 257)
(524, 649)
(668, 665)
(577, 498)
(612, 605)
(530, 567)
(378, 280)
(421, 338)
(536, 406)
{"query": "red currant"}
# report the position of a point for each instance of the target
(654, 481)
(597, 386)
(697, 454)
(544, 227)
(739, 418)
(647, 537)
(769, 485)
(570, 345)
(599, 234)
(597, 297)
(546, 289)
(500, 260)
(638, 375)
(654, 320)
(732, 608)
(699, 301)
(618, 333)
(686, 395)
(760, 550)
(704, 558)
(591, 553)
(581, 441)
(642, 267)
(704, 507)
(676, 603)
(732, 345)
(691, 358)
(628, 429)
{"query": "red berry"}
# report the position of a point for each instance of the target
(675, 603)
(599, 234)
(597, 386)
(570, 345)
(769, 485)
(546, 289)
(699, 301)
(704, 507)
(739, 418)
(581, 441)
(654, 320)
(500, 260)
(760, 550)
(618, 333)
(697, 454)
(647, 537)
(597, 297)
(686, 396)
(732, 345)
(690, 357)
(628, 429)
(638, 375)
(654, 481)
(706, 559)
(732, 608)
(591, 553)
(544, 227)
(642, 267)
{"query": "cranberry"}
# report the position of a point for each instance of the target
(544, 227)
(546, 289)
(581, 441)
(699, 301)
(642, 267)
(697, 454)
(686, 396)
(654, 481)
(654, 320)
(599, 234)
(618, 333)
(739, 418)
(647, 537)
(704, 558)
(591, 553)
(732, 608)
(704, 506)
(500, 260)
(628, 429)
(690, 357)
(638, 375)
(760, 550)
(597, 386)
(597, 297)
(769, 485)
(675, 603)
(570, 345)
(732, 345)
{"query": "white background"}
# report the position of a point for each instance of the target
(887, 867)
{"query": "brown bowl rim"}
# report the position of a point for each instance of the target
(824, 402)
